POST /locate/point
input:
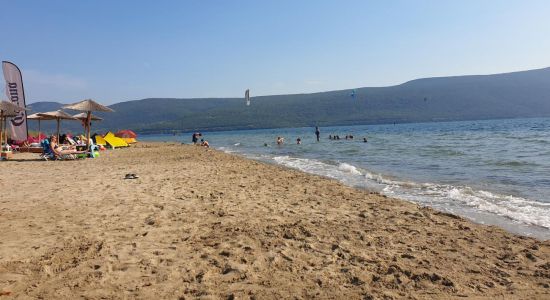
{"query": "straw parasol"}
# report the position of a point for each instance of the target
(39, 118)
(7, 109)
(57, 115)
(82, 117)
(88, 106)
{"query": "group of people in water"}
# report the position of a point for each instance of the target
(281, 140)
(337, 137)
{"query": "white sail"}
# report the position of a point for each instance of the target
(247, 97)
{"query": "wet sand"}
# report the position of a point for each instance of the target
(205, 224)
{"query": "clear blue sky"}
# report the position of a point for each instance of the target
(116, 51)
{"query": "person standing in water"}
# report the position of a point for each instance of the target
(317, 132)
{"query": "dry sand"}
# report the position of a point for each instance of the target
(205, 224)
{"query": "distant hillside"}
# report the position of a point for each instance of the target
(509, 95)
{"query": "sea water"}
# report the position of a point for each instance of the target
(493, 172)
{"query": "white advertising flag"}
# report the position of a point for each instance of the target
(15, 94)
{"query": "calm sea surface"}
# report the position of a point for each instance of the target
(494, 172)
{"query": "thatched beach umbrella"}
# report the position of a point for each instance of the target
(39, 118)
(88, 106)
(83, 116)
(57, 115)
(7, 109)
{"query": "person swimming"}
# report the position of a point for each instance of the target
(280, 140)
(298, 141)
(364, 140)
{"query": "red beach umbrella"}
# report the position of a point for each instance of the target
(127, 133)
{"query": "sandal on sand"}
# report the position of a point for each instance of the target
(131, 176)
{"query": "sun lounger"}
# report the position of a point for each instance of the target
(48, 154)
(31, 149)
(99, 140)
(114, 141)
(129, 140)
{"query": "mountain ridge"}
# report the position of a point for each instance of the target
(449, 98)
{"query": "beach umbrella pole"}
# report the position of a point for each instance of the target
(1, 130)
(88, 117)
(5, 132)
(58, 121)
(39, 131)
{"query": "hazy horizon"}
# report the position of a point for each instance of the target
(128, 50)
(313, 92)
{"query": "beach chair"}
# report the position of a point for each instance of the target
(47, 153)
(129, 140)
(71, 141)
(113, 141)
(100, 140)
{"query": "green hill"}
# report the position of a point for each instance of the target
(509, 95)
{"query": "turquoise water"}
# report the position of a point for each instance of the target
(494, 172)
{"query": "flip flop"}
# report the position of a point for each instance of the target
(131, 176)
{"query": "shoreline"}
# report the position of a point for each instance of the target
(210, 224)
(472, 214)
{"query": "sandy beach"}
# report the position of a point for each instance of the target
(205, 224)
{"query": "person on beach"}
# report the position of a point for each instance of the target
(196, 137)
(58, 150)
(205, 143)
(298, 141)
(280, 140)
(317, 132)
